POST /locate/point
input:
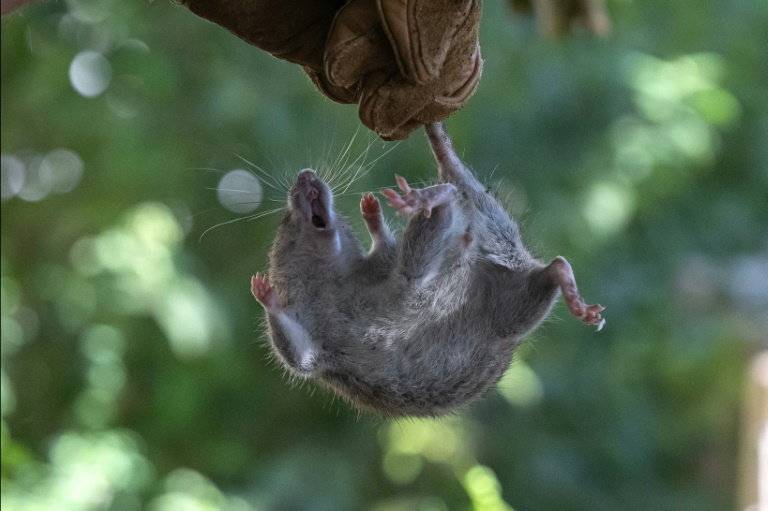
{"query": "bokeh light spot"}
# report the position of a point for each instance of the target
(7, 396)
(37, 186)
(239, 191)
(102, 343)
(608, 208)
(63, 169)
(520, 386)
(185, 319)
(11, 336)
(11, 176)
(484, 489)
(90, 11)
(90, 73)
(402, 468)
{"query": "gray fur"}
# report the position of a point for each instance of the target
(416, 327)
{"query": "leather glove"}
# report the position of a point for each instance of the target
(405, 62)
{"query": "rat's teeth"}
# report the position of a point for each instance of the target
(313, 194)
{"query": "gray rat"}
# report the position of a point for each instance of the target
(415, 327)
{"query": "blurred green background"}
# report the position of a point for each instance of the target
(135, 373)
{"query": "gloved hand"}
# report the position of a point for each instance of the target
(405, 62)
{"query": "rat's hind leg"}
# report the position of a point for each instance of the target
(290, 339)
(416, 200)
(562, 273)
(425, 243)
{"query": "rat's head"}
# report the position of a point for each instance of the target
(310, 202)
(311, 219)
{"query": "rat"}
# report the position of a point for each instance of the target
(418, 326)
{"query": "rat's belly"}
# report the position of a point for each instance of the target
(424, 376)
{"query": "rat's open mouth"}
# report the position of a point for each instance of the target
(319, 214)
(316, 200)
(318, 222)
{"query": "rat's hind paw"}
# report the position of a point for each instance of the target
(263, 292)
(563, 275)
(370, 207)
(416, 200)
(589, 314)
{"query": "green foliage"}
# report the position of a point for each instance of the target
(135, 374)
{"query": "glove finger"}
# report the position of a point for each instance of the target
(394, 107)
(388, 103)
(421, 32)
(404, 130)
(465, 72)
(344, 95)
(356, 44)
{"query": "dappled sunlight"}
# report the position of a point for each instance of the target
(140, 255)
(441, 440)
(484, 489)
(186, 315)
(410, 444)
(34, 177)
(87, 472)
(103, 347)
(93, 470)
(681, 111)
(187, 490)
(521, 386)
(681, 108)
(608, 208)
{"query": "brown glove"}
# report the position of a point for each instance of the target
(405, 62)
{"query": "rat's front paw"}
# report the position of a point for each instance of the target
(263, 292)
(414, 200)
(370, 207)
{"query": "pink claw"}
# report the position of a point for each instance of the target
(370, 207)
(563, 274)
(263, 292)
(418, 200)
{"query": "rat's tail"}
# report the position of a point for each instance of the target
(449, 166)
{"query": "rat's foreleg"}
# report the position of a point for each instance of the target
(381, 237)
(562, 273)
(290, 338)
(381, 257)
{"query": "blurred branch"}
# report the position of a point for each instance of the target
(557, 18)
(753, 486)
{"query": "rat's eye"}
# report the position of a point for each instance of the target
(318, 222)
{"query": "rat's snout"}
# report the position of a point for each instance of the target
(314, 200)
(306, 177)
(309, 183)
